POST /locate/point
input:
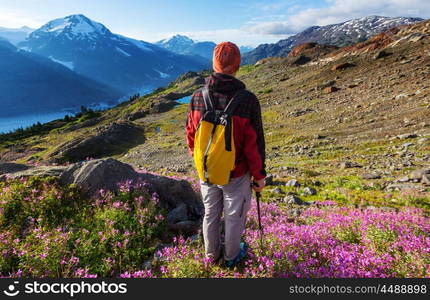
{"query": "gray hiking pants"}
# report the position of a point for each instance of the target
(235, 200)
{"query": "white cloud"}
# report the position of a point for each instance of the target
(273, 28)
(339, 11)
(13, 19)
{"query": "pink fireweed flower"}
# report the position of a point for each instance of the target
(159, 217)
(155, 198)
(125, 275)
(74, 260)
(126, 186)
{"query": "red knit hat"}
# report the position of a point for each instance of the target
(226, 58)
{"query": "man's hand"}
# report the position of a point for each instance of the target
(259, 185)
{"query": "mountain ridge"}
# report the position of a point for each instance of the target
(341, 34)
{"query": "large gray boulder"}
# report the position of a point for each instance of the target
(161, 105)
(94, 175)
(108, 140)
(6, 168)
(177, 196)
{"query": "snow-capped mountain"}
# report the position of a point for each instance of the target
(177, 43)
(182, 44)
(91, 49)
(342, 34)
(32, 84)
(17, 35)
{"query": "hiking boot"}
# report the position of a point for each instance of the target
(239, 257)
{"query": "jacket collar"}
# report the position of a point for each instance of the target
(224, 83)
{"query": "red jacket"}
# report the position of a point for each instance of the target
(247, 124)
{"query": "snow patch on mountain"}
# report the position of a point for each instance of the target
(85, 28)
(140, 44)
(56, 25)
(122, 52)
(162, 75)
(67, 64)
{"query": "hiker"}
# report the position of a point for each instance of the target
(225, 135)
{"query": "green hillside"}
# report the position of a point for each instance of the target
(352, 127)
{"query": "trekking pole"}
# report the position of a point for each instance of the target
(260, 228)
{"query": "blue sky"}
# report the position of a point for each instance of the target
(246, 22)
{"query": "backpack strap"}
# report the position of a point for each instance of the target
(209, 104)
(228, 112)
(234, 102)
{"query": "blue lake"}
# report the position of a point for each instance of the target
(8, 124)
(184, 100)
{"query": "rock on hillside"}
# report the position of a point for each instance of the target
(302, 54)
(29, 171)
(313, 50)
(307, 52)
(108, 140)
(6, 168)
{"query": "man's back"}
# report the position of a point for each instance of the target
(247, 125)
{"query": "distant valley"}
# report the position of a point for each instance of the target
(32, 84)
(74, 61)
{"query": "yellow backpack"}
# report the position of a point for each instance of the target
(214, 151)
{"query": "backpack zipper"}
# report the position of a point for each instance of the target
(205, 158)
